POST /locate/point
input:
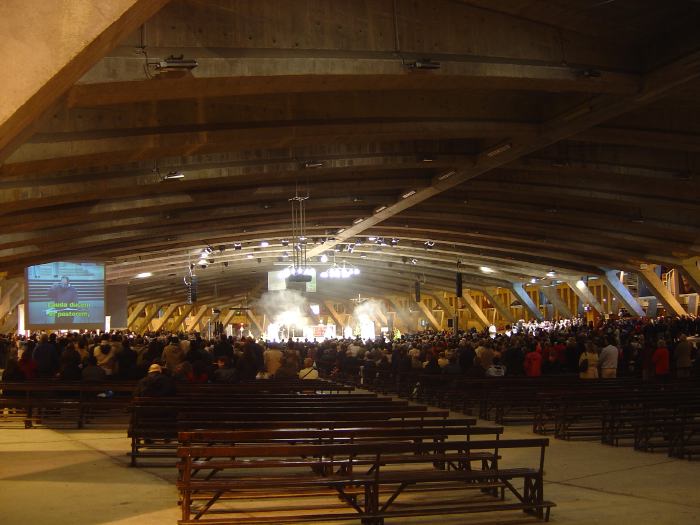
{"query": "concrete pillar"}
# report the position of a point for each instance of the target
(690, 268)
(502, 309)
(429, 314)
(48, 46)
(585, 295)
(622, 293)
(525, 300)
(160, 322)
(551, 293)
(646, 272)
(475, 309)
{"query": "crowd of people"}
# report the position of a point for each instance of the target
(649, 348)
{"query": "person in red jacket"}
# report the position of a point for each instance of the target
(660, 360)
(533, 364)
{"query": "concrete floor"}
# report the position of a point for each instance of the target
(81, 477)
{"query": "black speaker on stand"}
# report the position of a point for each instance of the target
(458, 285)
(418, 291)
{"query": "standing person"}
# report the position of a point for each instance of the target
(608, 360)
(173, 354)
(533, 364)
(46, 358)
(63, 293)
(661, 361)
(682, 354)
(588, 362)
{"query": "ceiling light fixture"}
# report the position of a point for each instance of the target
(313, 164)
(408, 194)
(358, 220)
(264, 244)
(486, 269)
(494, 152)
(446, 175)
(143, 275)
(379, 208)
(174, 175)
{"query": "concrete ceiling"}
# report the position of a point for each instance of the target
(564, 138)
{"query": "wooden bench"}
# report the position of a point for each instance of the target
(61, 402)
(155, 423)
(363, 481)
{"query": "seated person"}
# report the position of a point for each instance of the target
(224, 372)
(93, 373)
(309, 371)
(155, 384)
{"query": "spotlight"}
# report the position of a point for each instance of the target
(264, 244)
(534, 281)
(237, 246)
(551, 273)
(414, 261)
(423, 63)
(324, 258)
(408, 194)
(394, 241)
(371, 239)
(429, 245)
(358, 220)
(285, 242)
(379, 208)
(175, 63)
(174, 175)
(486, 269)
(209, 249)
(143, 275)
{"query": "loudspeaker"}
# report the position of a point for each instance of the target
(450, 322)
(458, 285)
(418, 291)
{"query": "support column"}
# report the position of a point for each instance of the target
(151, 312)
(226, 317)
(646, 272)
(524, 298)
(622, 293)
(8, 303)
(450, 312)
(134, 315)
(48, 46)
(551, 293)
(502, 309)
(160, 322)
(335, 315)
(429, 314)
(407, 321)
(585, 295)
(194, 320)
(470, 303)
(177, 322)
(256, 322)
(692, 272)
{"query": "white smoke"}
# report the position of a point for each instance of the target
(364, 313)
(284, 308)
